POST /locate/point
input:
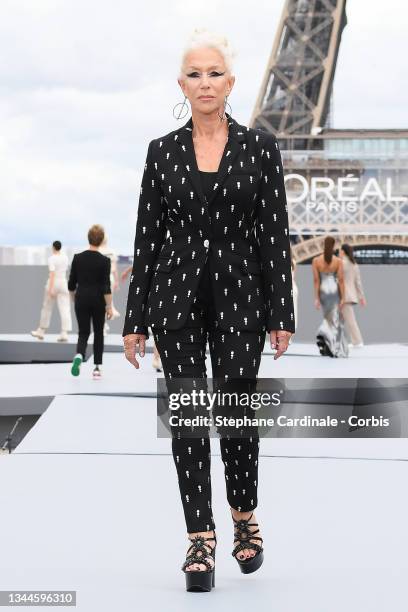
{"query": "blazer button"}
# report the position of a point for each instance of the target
(206, 243)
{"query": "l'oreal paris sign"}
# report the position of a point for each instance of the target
(347, 191)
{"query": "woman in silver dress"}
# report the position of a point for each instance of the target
(328, 281)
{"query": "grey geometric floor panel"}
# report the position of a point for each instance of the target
(24, 348)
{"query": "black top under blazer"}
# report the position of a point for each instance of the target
(242, 230)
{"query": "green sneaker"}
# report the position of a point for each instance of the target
(76, 365)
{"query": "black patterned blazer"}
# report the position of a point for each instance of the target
(242, 229)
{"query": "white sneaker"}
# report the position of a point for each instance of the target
(157, 364)
(96, 374)
(115, 314)
(63, 337)
(38, 333)
(360, 345)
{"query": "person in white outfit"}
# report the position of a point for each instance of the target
(56, 289)
(354, 294)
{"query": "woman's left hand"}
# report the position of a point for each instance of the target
(109, 312)
(279, 340)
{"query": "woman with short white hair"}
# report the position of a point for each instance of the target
(212, 262)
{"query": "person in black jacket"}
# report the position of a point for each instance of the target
(212, 263)
(89, 284)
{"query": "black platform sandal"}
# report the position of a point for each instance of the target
(243, 534)
(323, 348)
(198, 552)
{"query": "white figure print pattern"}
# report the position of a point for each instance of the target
(235, 357)
(242, 230)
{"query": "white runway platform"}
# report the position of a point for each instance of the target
(90, 487)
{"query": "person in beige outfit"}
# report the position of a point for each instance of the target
(56, 289)
(354, 294)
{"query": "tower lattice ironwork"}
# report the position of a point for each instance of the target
(296, 89)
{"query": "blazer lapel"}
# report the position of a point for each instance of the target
(187, 155)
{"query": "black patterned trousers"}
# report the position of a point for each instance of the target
(235, 359)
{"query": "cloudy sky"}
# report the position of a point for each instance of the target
(85, 84)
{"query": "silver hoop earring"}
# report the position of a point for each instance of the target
(230, 111)
(181, 104)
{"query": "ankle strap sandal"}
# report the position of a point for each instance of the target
(198, 552)
(243, 534)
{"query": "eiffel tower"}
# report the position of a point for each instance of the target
(296, 90)
(352, 183)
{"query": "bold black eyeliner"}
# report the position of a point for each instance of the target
(212, 74)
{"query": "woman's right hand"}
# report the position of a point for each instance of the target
(131, 343)
(317, 303)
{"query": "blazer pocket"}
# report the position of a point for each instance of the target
(251, 266)
(164, 264)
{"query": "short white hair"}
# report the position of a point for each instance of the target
(201, 37)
